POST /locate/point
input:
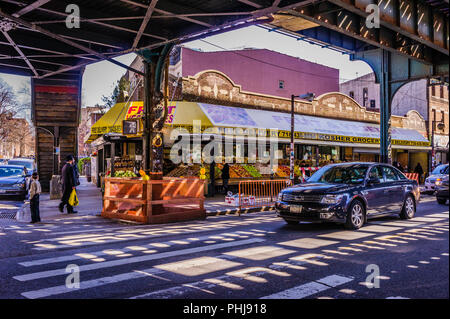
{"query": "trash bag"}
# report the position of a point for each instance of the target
(73, 199)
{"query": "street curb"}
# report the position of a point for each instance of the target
(237, 211)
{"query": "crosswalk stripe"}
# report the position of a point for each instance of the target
(47, 292)
(113, 263)
(310, 288)
(52, 260)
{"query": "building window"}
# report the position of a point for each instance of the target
(365, 96)
(433, 90)
(442, 91)
(351, 94)
(372, 103)
(281, 84)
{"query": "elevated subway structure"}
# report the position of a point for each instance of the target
(410, 43)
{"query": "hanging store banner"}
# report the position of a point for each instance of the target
(308, 127)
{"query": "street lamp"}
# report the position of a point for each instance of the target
(309, 97)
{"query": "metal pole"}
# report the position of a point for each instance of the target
(291, 169)
(147, 106)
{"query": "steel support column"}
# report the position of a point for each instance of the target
(392, 71)
(154, 65)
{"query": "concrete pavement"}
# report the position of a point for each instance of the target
(90, 198)
(232, 257)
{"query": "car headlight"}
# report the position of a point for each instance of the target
(332, 199)
(280, 196)
(20, 185)
(438, 181)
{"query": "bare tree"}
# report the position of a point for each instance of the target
(7, 109)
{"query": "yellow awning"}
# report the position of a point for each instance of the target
(180, 114)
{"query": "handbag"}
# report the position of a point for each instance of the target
(73, 199)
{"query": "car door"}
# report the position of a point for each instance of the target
(374, 192)
(393, 189)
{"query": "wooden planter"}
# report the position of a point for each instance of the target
(155, 201)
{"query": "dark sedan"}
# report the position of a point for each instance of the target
(13, 181)
(349, 193)
(442, 194)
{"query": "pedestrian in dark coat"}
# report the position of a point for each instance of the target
(68, 184)
(225, 177)
(419, 170)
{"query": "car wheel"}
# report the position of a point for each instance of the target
(291, 222)
(441, 200)
(356, 215)
(409, 208)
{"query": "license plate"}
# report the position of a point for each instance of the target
(297, 209)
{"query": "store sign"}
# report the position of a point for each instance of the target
(136, 110)
(106, 129)
(315, 128)
(130, 127)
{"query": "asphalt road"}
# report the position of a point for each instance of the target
(234, 257)
(8, 210)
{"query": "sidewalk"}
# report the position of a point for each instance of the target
(90, 198)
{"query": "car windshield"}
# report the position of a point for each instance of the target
(441, 169)
(10, 172)
(28, 165)
(342, 174)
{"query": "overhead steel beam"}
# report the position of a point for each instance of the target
(83, 40)
(396, 26)
(145, 21)
(168, 14)
(354, 26)
(250, 3)
(63, 14)
(66, 41)
(30, 7)
(60, 54)
(90, 20)
(14, 45)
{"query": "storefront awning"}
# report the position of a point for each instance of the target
(310, 127)
(238, 120)
(179, 113)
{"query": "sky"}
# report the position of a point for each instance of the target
(100, 78)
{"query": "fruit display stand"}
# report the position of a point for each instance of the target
(154, 201)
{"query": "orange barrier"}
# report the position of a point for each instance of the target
(303, 170)
(154, 201)
(259, 193)
(413, 176)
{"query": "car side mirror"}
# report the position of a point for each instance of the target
(373, 180)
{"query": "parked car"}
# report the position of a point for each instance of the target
(28, 163)
(440, 172)
(442, 190)
(13, 181)
(349, 193)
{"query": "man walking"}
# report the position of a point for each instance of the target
(68, 184)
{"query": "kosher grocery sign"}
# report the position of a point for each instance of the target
(308, 127)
